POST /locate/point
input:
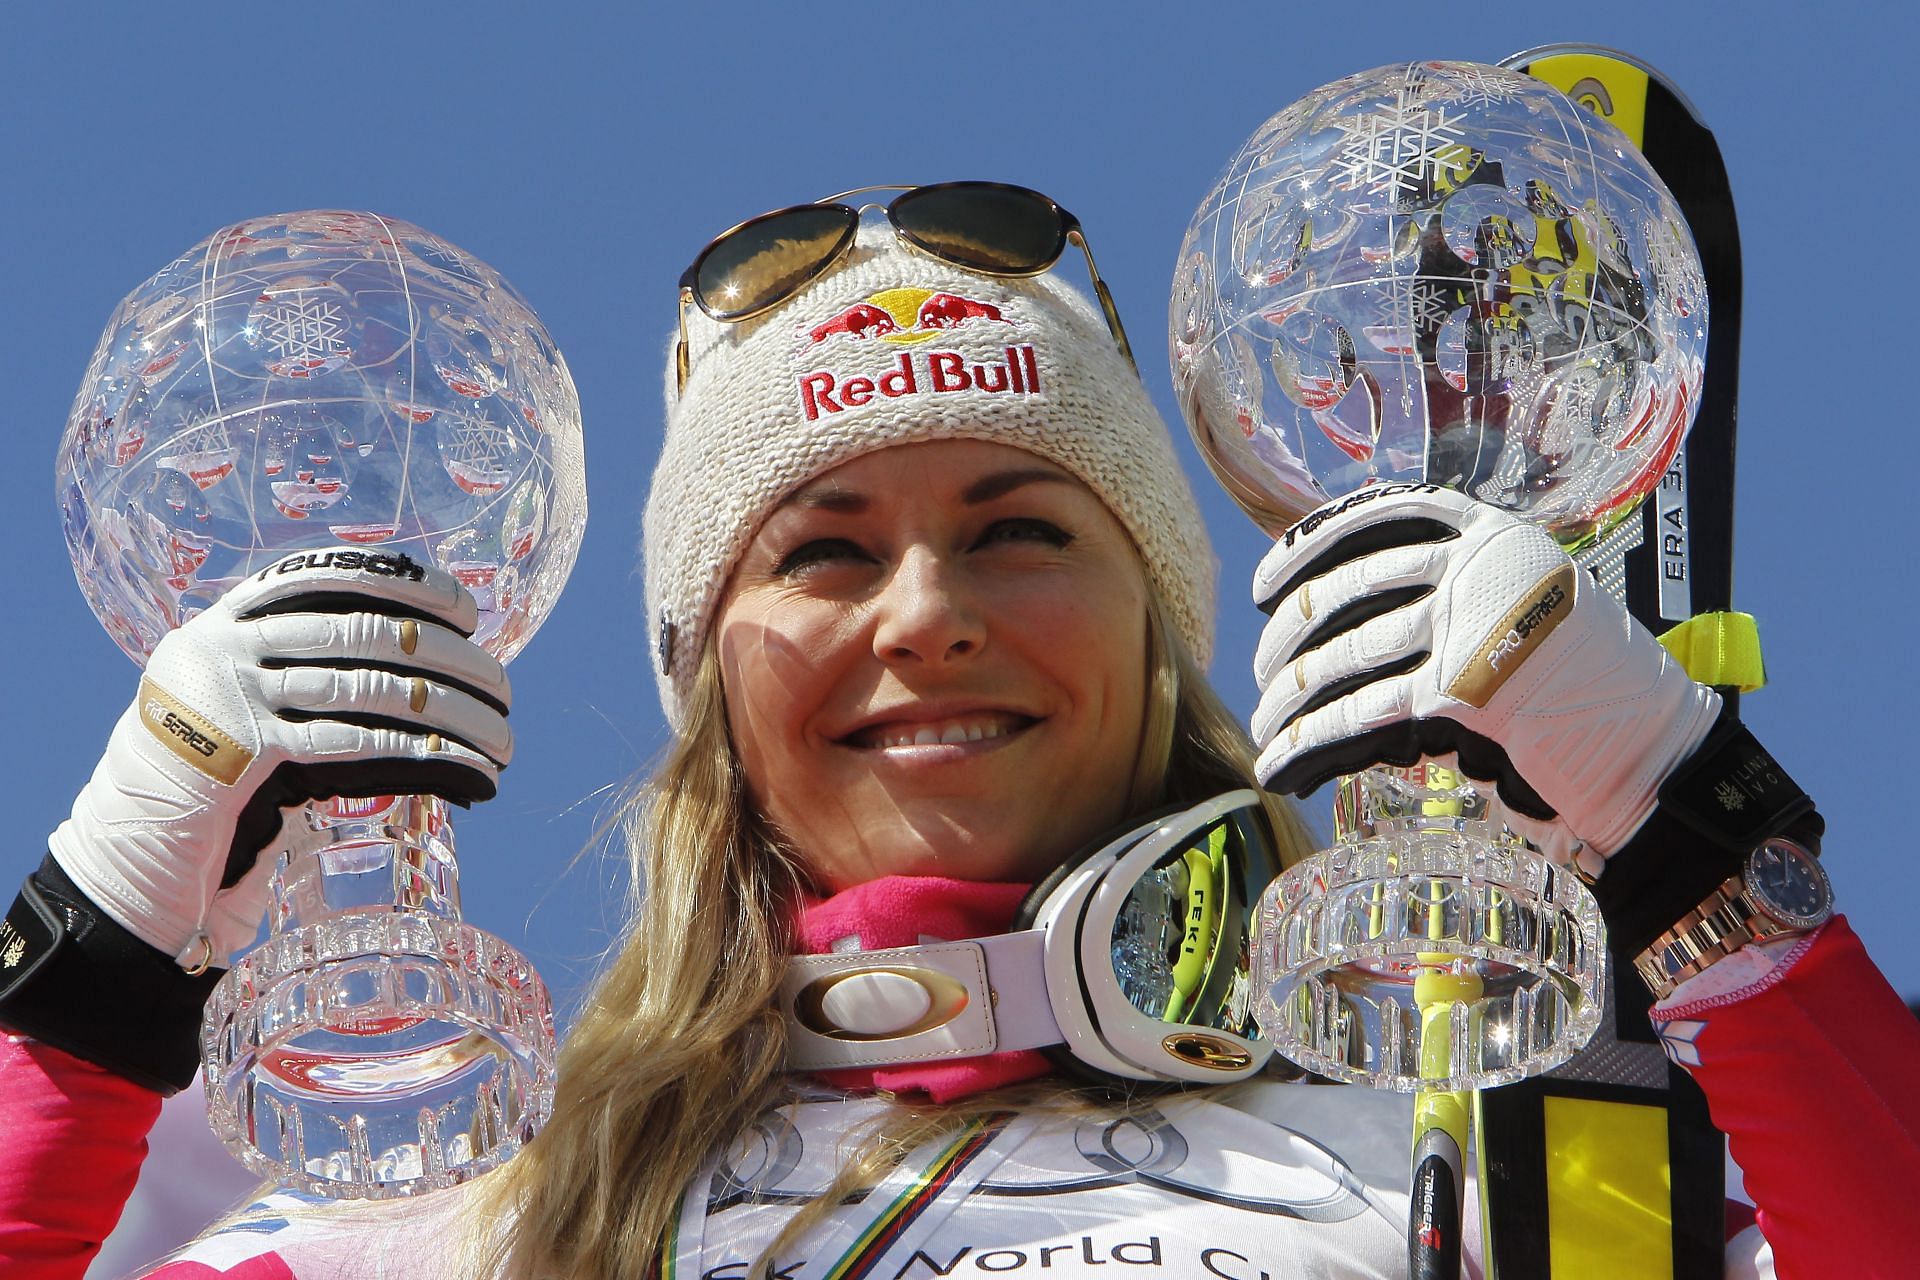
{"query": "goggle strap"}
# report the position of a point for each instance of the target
(936, 1002)
(869, 989)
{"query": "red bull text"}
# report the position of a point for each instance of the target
(921, 373)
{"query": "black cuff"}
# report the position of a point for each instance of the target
(73, 978)
(1714, 809)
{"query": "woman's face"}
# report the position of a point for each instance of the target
(934, 659)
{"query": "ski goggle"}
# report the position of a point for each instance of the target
(991, 228)
(1133, 961)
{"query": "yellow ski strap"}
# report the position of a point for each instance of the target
(1719, 649)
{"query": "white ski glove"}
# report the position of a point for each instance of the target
(1409, 622)
(331, 673)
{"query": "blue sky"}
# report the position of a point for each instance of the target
(588, 150)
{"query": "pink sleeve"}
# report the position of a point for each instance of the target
(1814, 1074)
(75, 1135)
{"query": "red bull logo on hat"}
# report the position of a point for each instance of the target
(910, 317)
(905, 316)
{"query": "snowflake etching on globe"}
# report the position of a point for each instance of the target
(347, 384)
(1475, 85)
(1399, 149)
(305, 330)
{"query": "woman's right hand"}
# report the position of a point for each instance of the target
(342, 673)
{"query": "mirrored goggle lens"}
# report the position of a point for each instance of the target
(999, 230)
(1182, 942)
(769, 260)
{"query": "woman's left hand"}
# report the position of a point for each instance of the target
(1409, 622)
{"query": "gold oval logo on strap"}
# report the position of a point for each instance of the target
(946, 1000)
(1207, 1051)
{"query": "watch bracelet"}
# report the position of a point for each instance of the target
(1693, 947)
(1718, 805)
(73, 978)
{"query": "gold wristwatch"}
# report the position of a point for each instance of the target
(1782, 888)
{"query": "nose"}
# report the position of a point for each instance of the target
(926, 612)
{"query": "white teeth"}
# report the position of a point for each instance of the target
(953, 731)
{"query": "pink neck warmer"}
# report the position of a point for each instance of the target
(902, 911)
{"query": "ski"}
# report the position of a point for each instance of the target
(1619, 1114)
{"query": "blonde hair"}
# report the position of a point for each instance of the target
(680, 1047)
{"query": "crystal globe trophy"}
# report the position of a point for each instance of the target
(342, 380)
(1441, 273)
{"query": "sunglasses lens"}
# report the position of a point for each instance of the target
(999, 230)
(768, 260)
(1182, 942)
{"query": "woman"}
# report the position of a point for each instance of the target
(929, 600)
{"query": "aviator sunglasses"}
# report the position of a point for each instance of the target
(991, 228)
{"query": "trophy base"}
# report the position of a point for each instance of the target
(378, 1055)
(1436, 955)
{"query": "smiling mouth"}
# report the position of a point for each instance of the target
(955, 730)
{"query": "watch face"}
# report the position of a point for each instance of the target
(1787, 882)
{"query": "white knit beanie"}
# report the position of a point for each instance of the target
(892, 347)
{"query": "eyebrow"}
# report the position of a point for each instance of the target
(1001, 483)
(830, 496)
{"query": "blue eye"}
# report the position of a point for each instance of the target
(818, 551)
(1026, 529)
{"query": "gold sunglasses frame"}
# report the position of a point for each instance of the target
(1070, 233)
